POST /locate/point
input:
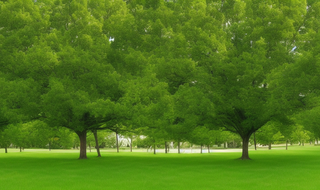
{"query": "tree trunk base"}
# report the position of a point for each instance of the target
(245, 148)
(83, 144)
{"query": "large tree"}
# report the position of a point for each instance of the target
(258, 38)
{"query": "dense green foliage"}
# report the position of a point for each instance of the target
(185, 70)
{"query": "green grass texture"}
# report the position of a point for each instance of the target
(296, 168)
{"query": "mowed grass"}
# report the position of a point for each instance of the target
(296, 168)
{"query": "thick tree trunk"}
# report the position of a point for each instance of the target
(95, 134)
(178, 147)
(255, 142)
(154, 149)
(5, 150)
(117, 142)
(245, 148)
(269, 146)
(83, 144)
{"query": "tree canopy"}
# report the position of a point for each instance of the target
(173, 69)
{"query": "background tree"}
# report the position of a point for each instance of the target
(268, 134)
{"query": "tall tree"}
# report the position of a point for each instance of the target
(258, 37)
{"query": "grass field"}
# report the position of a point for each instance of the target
(296, 168)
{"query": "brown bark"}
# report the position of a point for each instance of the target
(178, 147)
(83, 144)
(5, 150)
(245, 148)
(269, 146)
(117, 142)
(95, 133)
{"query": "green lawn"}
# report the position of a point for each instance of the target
(297, 168)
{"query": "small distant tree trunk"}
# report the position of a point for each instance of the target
(20, 149)
(165, 147)
(287, 144)
(95, 134)
(130, 144)
(5, 149)
(83, 144)
(208, 148)
(201, 149)
(90, 147)
(49, 145)
(302, 142)
(269, 146)
(233, 145)
(178, 147)
(254, 140)
(245, 148)
(154, 149)
(117, 142)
